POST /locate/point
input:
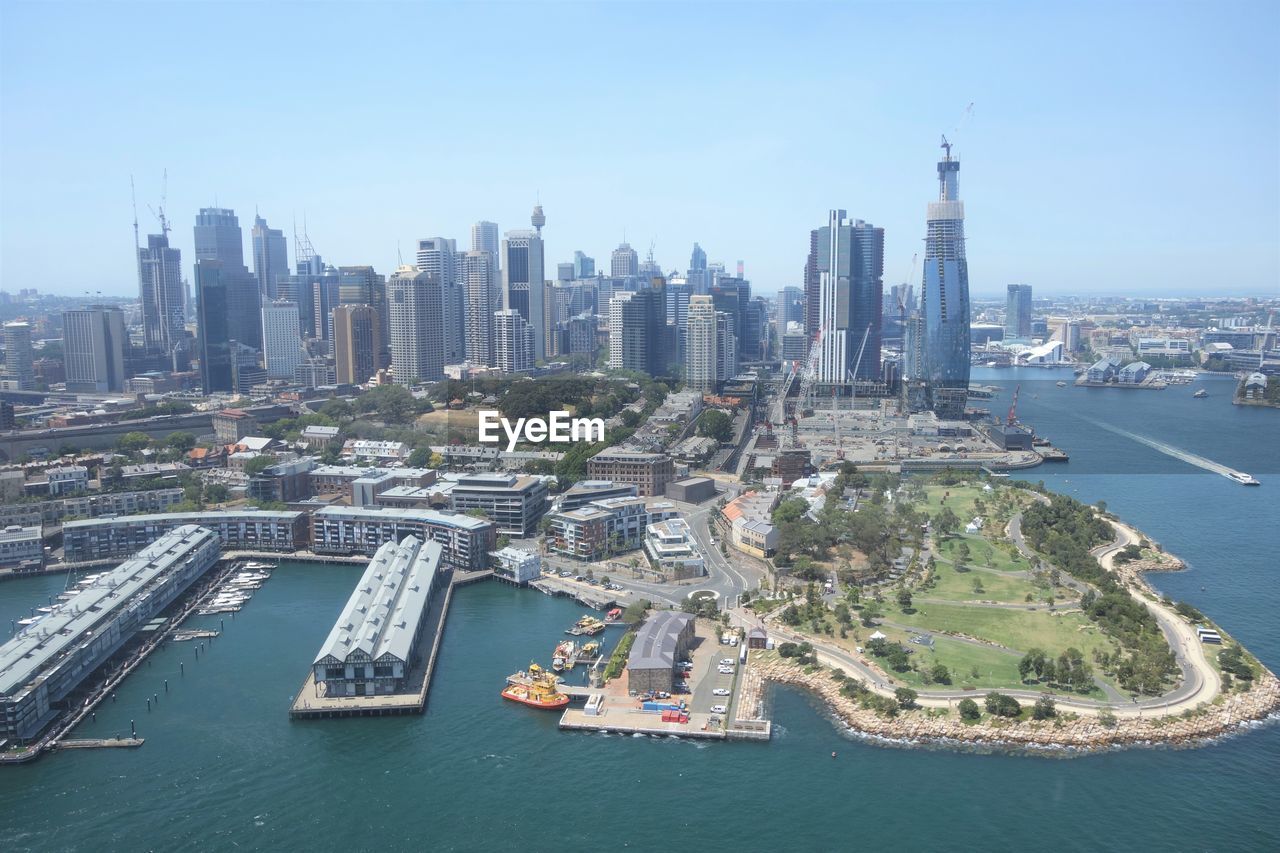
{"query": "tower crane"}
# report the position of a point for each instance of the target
(1012, 417)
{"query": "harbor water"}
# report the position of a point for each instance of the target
(224, 768)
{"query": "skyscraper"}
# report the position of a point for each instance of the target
(639, 333)
(700, 346)
(282, 339)
(1017, 314)
(356, 343)
(218, 238)
(270, 257)
(583, 266)
(213, 330)
(18, 356)
(326, 293)
(850, 268)
(93, 344)
(478, 269)
(698, 259)
(438, 256)
(484, 238)
(944, 297)
(812, 288)
(524, 283)
(417, 339)
(624, 262)
(513, 342)
(162, 295)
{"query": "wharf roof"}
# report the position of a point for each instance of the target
(382, 615)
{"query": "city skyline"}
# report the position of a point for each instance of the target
(749, 189)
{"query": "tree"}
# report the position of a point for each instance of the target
(181, 441)
(904, 599)
(898, 659)
(906, 697)
(940, 674)
(1044, 708)
(132, 442)
(258, 464)
(215, 493)
(946, 522)
(969, 710)
(716, 424)
(1002, 705)
(420, 457)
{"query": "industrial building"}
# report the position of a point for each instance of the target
(46, 661)
(246, 529)
(663, 639)
(516, 504)
(467, 541)
(371, 649)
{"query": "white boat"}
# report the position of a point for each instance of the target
(1242, 478)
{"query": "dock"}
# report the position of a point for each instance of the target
(101, 743)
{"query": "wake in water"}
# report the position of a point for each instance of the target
(1168, 449)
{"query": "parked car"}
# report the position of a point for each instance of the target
(721, 691)
(718, 709)
(727, 661)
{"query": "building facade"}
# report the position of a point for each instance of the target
(356, 343)
(417, 343)
(94, 341)
(467, 541)
(90, 540)
(282, 339)
(648, 472)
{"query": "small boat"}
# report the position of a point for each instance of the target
(536, 689)
(1242, 478)
(561, 655)
(1201, 394)
(1061, 384)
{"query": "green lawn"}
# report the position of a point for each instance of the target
(1000, 557)
(996, 668)
(959, 498)
(1017, 629)
(958, 586)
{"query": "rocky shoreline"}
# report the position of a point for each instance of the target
(1068, 730)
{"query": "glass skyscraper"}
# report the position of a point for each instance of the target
(944, 298)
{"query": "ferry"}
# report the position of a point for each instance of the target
(1242, 478)
(537, 688)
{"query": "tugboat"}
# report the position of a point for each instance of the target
(1201, 394)
(536, 688)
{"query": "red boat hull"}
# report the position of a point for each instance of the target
(547, 706)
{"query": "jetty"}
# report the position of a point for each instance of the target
(101, 743)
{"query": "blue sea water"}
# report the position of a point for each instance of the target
(224, 768)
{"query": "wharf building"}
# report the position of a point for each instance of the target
(249, 530)
(515, 504)
(372, 647)
(45, 662)
(648, 472)
(467, 541)
(662, 641)
(52, 512)
(604, 527)
(519, 567)
(21, 548)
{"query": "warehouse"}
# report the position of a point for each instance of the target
(370, 650)
(663, 639)
(45, 662)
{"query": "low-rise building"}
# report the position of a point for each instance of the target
(662, 641)
(1103, 370)
(153, 471)
(750, 527)
(693, 490)
(374, 644)
(283, 482)
(791, 465)
(247, 529)
(515, 504)
(375, 451)
(231, 425)
(1255, 386)
(1133, 373)
(67, 480)
(672, 550)
(648, 472)
(319, 437)
(585, 491)
(516, 565)
(21, 548)
(43, 663)
(467, 541)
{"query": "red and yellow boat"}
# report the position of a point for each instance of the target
(536, 688)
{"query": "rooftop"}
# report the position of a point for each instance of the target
(655, 643)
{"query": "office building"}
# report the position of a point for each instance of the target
(439, 256)
(213, 332)
(270, 257)
(944, 298)
(479, 268)
(18, 356)
(417, 341)
(484, 238)
(850, 267)
(467, 541)
(218, 237)
(43, 664)
(701, 345)
(812, 288)
(1017, 313)
(639, 337)
(524, 284)
(282, 339)
(94, 341)
(373, 646)
(516, 504)
(583, 266)
(162, 295)
(648, 472)
(624, 262)
(513, 342)
(357, 341)
(361, 285)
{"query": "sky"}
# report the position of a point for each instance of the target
(1120, 148)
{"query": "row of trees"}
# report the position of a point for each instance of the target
(1070, 670)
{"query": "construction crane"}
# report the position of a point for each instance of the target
(1012, 417)
(164, 196)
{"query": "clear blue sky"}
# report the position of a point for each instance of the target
(1121, 148)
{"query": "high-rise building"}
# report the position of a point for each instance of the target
(1017, 313)
(213, 330)
(616, 304)
(356, 343)
(417, 339)
(282, 339)
(439, 256)
(639, 337)
(301, 289)
(93, 345)
(698, 259)
(944, 298)
(524, 283)
(624, 262)
(583, 266)
(478, 270)
(162, 295)
(700, 345)
(18, 356)
(851, 269)
(361, 285)
(270, 257)
(218, 238)
(326, 292)
(564, 271)
(484, 238)
(513, 342)
(726, 347)
(790, 306)
(812, 288)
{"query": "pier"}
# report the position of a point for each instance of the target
(102, 743)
